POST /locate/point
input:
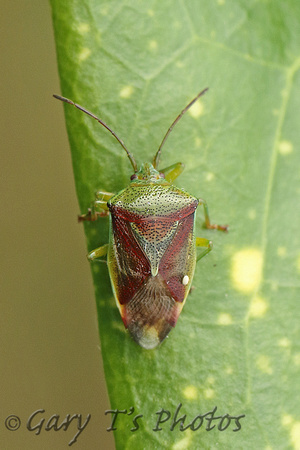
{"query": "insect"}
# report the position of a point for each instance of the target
(151, 254)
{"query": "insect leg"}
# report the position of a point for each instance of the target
(99, 207)
(205, 244)
(208, 223)
(172, 172)
(93, 214)
(98, 252)
(103, 195)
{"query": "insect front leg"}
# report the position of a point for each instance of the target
(208, 223)
(172, 172)
(99, 207)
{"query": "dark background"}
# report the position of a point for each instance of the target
(50, 353)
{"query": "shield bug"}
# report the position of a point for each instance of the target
(152, 249)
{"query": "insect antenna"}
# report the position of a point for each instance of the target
(130, 156)
(157, 155)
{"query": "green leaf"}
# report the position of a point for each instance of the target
(136, 64)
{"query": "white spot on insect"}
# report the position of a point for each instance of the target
(84, 54)
(126, 92)
(258, 307)
(281, 251)
(190, 392)
(252, 214)
(285, 147)
(196, 110)
(224, 319)
(83, 28)
(153, 45)
(185, 280)
(263, 363)
(246, 269)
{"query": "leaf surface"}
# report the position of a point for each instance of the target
(236, 345)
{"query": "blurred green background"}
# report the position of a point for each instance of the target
(50, 354)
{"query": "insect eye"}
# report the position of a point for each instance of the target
(133, 177)
(162, 175)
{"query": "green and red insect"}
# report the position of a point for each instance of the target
(151, 254)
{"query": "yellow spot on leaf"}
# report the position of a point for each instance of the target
(210, 380)
(177, 25)
(296, 359)
(229, 370)
(198, 142)
(246, 269)
(190, 392)
(274, 286)
(295, 435)
(209, 176)
(281, 251)
(153, 45)
(263, 363)
(196, 110)
(298, 263)
(224, 319)
(287, 420)
(294, 429)
(84, 54)
(258, 307)
(126, 92)
(104, 11)
(284, 342)
(184, 443)
(179, 64)
(150, 12)
(209, 393)
(221, 2)
(285, 147)
(252, 214)
(83, 28)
